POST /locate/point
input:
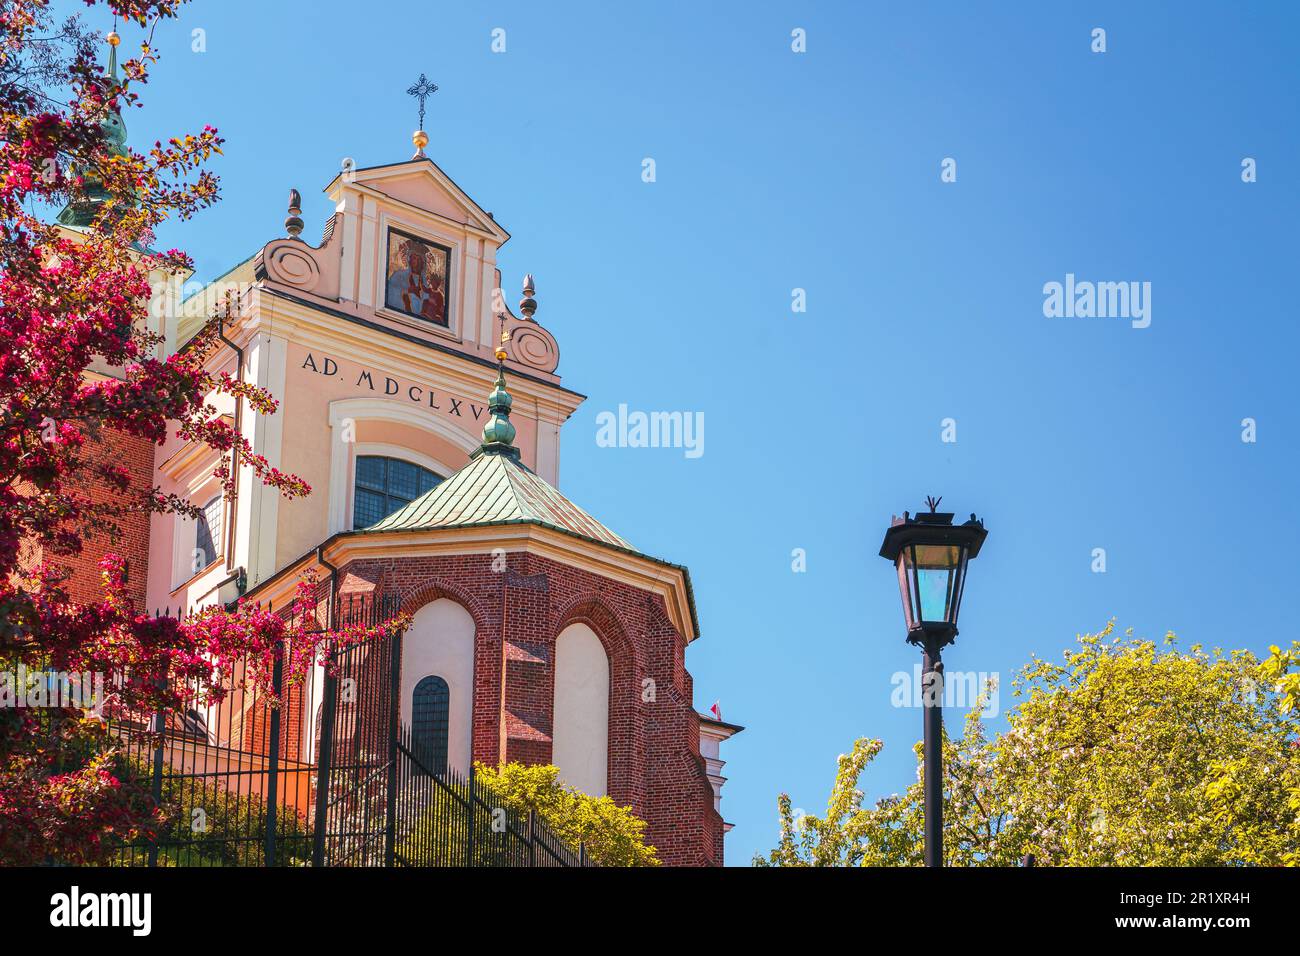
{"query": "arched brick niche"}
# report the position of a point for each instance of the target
(580, 719)
(440, 643)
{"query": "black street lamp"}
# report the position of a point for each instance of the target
(931, 555)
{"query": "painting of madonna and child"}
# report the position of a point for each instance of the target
(417, 278)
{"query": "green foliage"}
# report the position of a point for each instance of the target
(613, 835)
(1128, 753)
(203, 824)
(438, 837)
(1283, 667)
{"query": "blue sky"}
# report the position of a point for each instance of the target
(821, 171)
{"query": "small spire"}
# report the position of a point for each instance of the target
(499, 432)
(80, 213)
(113, 40)
(293, 222)
(113, 127)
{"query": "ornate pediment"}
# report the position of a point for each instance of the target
(409, 250)
(420, 184)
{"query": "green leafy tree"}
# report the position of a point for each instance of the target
(613, 835)
(1129, 752)
(1283, 668)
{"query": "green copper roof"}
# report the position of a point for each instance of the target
(496, 489)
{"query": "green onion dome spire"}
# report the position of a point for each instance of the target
(112, 125)
(499, 433)
(82, 211)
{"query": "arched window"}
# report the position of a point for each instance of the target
(385, 485)
(315, 748)
(430, 709)
(207, 532)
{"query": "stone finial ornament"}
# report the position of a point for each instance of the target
(528, 305)
(293, 222)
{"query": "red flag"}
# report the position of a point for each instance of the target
(716, 710)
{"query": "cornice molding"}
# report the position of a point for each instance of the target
(635, 570)
(190, 458)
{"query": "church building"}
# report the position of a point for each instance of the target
(426, 416)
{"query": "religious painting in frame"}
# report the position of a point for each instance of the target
(417, 278)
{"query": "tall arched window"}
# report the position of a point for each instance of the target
(385, 485)
(430, 710)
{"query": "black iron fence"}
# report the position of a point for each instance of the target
(329, 777)
(353, 816)
(450, 820)
(233, 780)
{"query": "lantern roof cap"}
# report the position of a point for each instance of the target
(932, 527)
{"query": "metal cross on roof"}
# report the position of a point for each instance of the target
(421, 90)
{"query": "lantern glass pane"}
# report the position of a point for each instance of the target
(905, 587)
(937, 566)
(935, 584)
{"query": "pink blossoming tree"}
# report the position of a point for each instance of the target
(68, 301)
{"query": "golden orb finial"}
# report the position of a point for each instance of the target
(502, 354)
(421, 139)
(112, 38)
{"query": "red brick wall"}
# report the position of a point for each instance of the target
(86, 583)
(654, 753)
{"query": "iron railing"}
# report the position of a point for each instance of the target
(453, 820)
(329, 777)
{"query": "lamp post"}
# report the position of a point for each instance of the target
(930, 554)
